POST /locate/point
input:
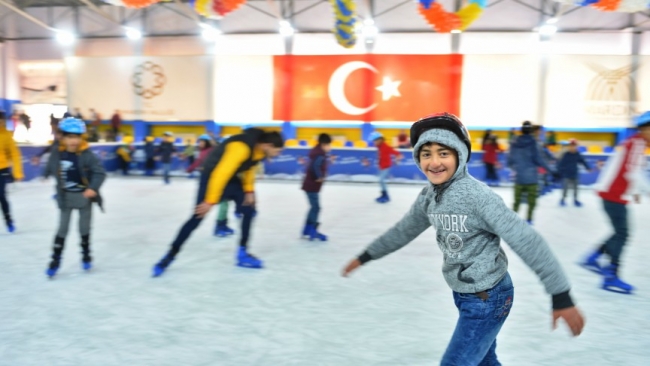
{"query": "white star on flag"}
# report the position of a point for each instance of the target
(389, 88)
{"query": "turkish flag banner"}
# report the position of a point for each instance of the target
(365, 87)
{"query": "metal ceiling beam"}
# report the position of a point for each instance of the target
(386, 11)
(261, 11)
(309, 7)
(531, 7)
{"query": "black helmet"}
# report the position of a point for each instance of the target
(527, 128)
(446, 121)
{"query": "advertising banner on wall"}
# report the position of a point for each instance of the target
(585, 91)
(146, 88)
(366, 87)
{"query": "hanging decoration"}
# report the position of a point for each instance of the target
(621, 6)
(216, 9)
(138, 4)
(346, 21)
(444, 21)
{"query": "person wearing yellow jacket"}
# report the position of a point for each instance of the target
(220, 182)
(124, 158)
(10, 165)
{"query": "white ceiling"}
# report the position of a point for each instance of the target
(309, 16)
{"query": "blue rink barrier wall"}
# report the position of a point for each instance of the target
(346, 165)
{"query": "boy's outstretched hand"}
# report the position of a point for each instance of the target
(572, 317)
(351, 267)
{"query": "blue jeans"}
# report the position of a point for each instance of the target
(383, 175)
(314, 207)
(232, 192)
(617, 213)
(474, 340)
(166, 168)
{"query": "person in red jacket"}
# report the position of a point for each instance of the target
(622, 178)
(314, 176)
(386, 154)
(491, 152)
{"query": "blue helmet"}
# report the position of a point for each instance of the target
(643, 120)
(72, 125)
(375, 135)
(205, 137)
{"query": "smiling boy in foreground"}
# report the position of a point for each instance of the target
(470, 220)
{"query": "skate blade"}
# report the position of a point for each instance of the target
(590, 268)
(251, 266)
(617, 290)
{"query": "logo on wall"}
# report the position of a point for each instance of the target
(612, 92)
(148, 80)
(336, 88)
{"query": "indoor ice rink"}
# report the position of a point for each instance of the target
(302, 104)
(298, 310)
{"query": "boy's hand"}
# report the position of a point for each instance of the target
(572, 317)
(351, 267)
(89, 193)
(202, 209)
(249, 199)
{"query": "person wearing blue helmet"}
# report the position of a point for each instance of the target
(385, 156)
(622, 179)
(79, 175)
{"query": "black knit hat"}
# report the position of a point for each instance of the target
(445, 121)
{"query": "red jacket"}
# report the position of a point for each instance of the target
(315, 170)
(490, 153)
(202, 155)
(624, 175)
(385, 155)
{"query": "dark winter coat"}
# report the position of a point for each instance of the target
(91, 169)
(568, 166)
(316, 169)
(166, 150)
(525, 158)
(149, 150)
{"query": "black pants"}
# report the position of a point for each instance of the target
(124, 165)
(5, 177)
(491, 172)
(233, 192)
(149, 165)
(617, 213)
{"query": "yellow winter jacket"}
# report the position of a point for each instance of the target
(10, 154)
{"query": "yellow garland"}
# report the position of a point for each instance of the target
(469, 14)
(201, 7)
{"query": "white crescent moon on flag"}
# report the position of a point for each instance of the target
(336, 88)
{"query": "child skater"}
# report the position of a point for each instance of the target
(11, 169)
(314, 178)
(623, 178)
(220, 182)
(470, 220)
(385, 154)
(568, 170)
(79, 175)
(491, 152)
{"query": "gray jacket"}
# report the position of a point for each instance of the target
(470, 220)
(90, 167)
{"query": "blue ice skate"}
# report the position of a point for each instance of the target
(383, 198)
(247, 261)
(591, 263)
(87, 266)
(562, 203)
(11, 228)
(161, 266)
(315, 235)
(614, 284)
(307, 230)
(529, 222)
(577, 203)
(53, 268)
(222, 230)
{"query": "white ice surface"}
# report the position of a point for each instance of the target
(298, 310)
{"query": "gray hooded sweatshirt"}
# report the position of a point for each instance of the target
(470, 220)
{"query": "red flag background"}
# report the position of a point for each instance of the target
(344, 87)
